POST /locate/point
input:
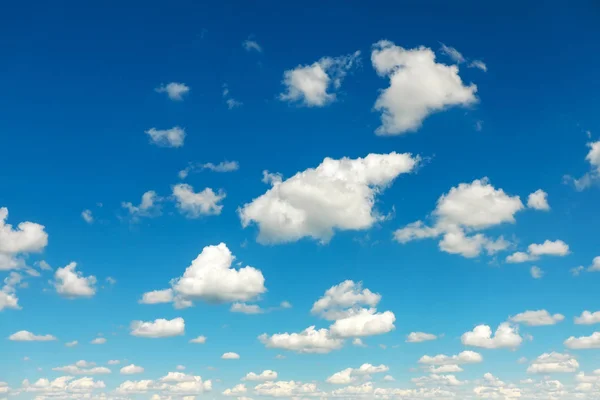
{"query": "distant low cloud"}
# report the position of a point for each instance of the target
(72, 283)
(26, 336)
(252, 45)
(87, 216)
(173, 137)
(159, 328)
(223, 166)
(174, 90)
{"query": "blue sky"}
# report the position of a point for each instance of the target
(429, 221)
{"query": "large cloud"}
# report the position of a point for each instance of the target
(337, 299)
(537, 318)
(337, 195)
(534, 251)
(466, 208)
(419, 86)
(195, 205)
(588, 318)
(71, 283)
(211, 278)
(506, 336)
(311, 84)
(549, 363)
(363, 322)
(309, 340)
(584, 342)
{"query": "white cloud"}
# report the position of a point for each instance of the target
(131, 369)
(466, 208)
(28, 237)
(222, 167)
(173, 137)
(63, 387)
(82, 367)
(444, 369)
(534, 251)
(588, 318)
(149, 207)
(389, 378)
(593, 158)
(250, 45)
(358, 342)
(26, 336)
(200, 340)
(536, 272)
(72, 284)
(211, 277)
(309, 340)
(538, 200)
(465, 357)
(595, 267)
(553, 362)
(479, 65)
(160, 328)
(350, 375)
(584, 342)
(434, 379)
(506, 336)
(266, 375)
(236, 390)
(418, 337)
(246, 308)
(113, 362)
(230, 356)
(311, 84)
(454, 54)
(537, 318)
(418, 87)
(174, 90)
(72, 344)
(8, 299)
(337, 195)
(87, 216)
(286, 389)
(99, 340)
(157, 297)
(363, 322)
(195, 205)
(345, 295)
(180, 368)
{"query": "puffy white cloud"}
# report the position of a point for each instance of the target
(445, 369)
(593, 158)
(173, 384)
(333, 304)
(173, 137)
(236, 390)
(311, 84)
(434, 379)
(26, 238)
(537, 318)
(350, 375)
(200, 340)
(230, 356)
(195, 205)
(534, 251)
(465, 357)
(588, 318)
(536, 272)
(266, 375)
(506, 336)
(538, 200)
(87, 216)
(466, 208)
(82, 367)
(286, 389)
(363, 322)
(246, 308)
(131, 369)
(223, 166)
(72, 284)
(149, 206)
(8, 299)
(252, 45)
(132, 387)
(553, 362)
(99, 340)
(174, 90)
(64, 386)
(211, 277)
(418, 337)
(420, 393)
(160, 328)
(309, 340)
(337, 195)
(353, 391)
(389, 378)
(584, 342)
(595, 267)
(26, 336)
(419, 86)
(157, 297)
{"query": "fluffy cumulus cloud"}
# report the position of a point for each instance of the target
(266, 375)
(418, 337)
(98, 340)
(290, 389)
(8, 298)
(467, 208)
(363, 322)
(437, 380)
(199, 340)
(537, 318)
(309, 340)
(159, 328)
(584, 342)
(534, 251)
(465, 357)
(83, 367)
(211, 278)
(131, 369)
(26, 336)
(595, 267)
(536, 272)
(315, 85)
(173, 137)
(149, 206)
(337, 195)
(538, 200)
(588, 318)
(63, 387)
(237, 390)
(174, 384)
(72, 284)
(230, 356)
(593, 176)
(27, 237)
(351, 375)
(506, 336)
(549, 363)
(174, 90)
(197, 204)
(419, 87)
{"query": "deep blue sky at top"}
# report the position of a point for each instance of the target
(77, 93)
